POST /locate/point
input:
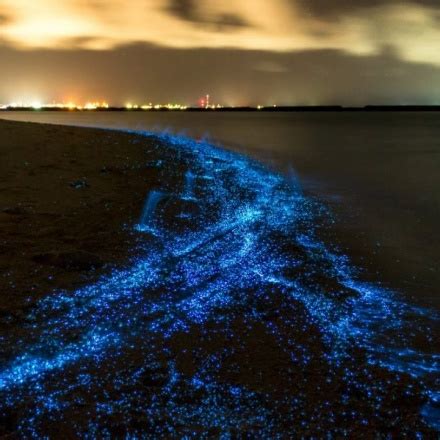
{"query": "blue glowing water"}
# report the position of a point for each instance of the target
(188, 193)
(146, 221)
(170, 345)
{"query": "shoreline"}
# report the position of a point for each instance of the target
(273, 109)
(229, 269)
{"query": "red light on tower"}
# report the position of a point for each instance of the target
(204, 102)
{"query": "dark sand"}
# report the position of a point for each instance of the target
(65, 196)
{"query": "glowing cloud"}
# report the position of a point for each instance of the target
(279, 25)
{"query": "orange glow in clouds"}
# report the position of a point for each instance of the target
(275, 25)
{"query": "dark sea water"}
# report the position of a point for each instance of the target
(379, 173)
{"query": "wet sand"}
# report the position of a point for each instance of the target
(245, 326)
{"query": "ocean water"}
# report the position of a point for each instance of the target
(379, 173)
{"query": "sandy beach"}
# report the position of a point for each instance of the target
(69, 199)
(152, 285)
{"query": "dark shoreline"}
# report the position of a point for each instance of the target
(274, 109)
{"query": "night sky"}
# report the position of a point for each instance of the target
(241, 52)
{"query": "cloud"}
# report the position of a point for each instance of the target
(185, 9)
(257, 77)
(412, 31)
(270, 67)
(4, 19)
(361, 27)
(190, 10)
(332, 9)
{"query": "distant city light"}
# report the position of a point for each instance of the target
(36, 105)
(204, 103)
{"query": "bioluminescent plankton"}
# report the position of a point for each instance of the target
(234, 319)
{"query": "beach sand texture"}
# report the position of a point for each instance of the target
(66, 197)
